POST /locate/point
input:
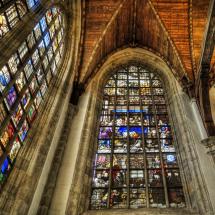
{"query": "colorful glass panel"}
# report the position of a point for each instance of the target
(31, 113)
(7, 135)
(13, 63)
(20, 81)
(24, 82)
(11, 97)
(16, 117)
(4, 78)
(11, 15)
(135, 163)
(5, 168)
(23, 131)
(14, 150)
(32, 3)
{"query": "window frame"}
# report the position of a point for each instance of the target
(128, 151)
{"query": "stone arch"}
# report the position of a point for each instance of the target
(82, 138)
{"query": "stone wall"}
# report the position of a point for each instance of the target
(212, 101)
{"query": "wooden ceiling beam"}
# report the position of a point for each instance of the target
(209, 41)
(202, 84)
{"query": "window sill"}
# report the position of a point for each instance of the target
(142, 211)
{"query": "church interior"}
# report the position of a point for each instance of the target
(107, 107)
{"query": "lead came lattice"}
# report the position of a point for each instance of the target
(135, 164)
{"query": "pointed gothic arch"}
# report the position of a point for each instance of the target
(82, 139)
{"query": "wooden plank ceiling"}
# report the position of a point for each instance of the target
(174, 29)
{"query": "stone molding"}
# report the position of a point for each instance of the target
(209, 143)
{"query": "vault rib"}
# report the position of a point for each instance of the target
(85, 70)
(169, 38)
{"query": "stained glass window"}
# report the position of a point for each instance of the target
(24, 83)
(10, 14)
(135, 164)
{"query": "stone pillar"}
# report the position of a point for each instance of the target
(68, 169)
(198, 119)
(209, 143)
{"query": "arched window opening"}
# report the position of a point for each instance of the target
(24, 81)
(12, 11)
(135, 164)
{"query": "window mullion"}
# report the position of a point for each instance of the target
(138, 123)
(128, 144)
(18, 12)
(112, 146)
(159, 145)
(144, 145)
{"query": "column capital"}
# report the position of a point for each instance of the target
(209, 143)
(193, 100)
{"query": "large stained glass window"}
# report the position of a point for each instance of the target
(135, 164)
(24, 81)
(11, 11)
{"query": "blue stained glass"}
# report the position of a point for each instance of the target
(37, 27)
(43, 24)
(31, 3)
(3, 80)
(129, 111)
(136, 129)
(105, 143)
(5, 166)
(41, 45)
(170, 158)
(47, 39)
(23, 131)
(164, 128)
(11, 97)
(26, 98)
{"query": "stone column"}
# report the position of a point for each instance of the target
(198, 119)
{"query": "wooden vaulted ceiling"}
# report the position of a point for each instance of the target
(174, 29)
